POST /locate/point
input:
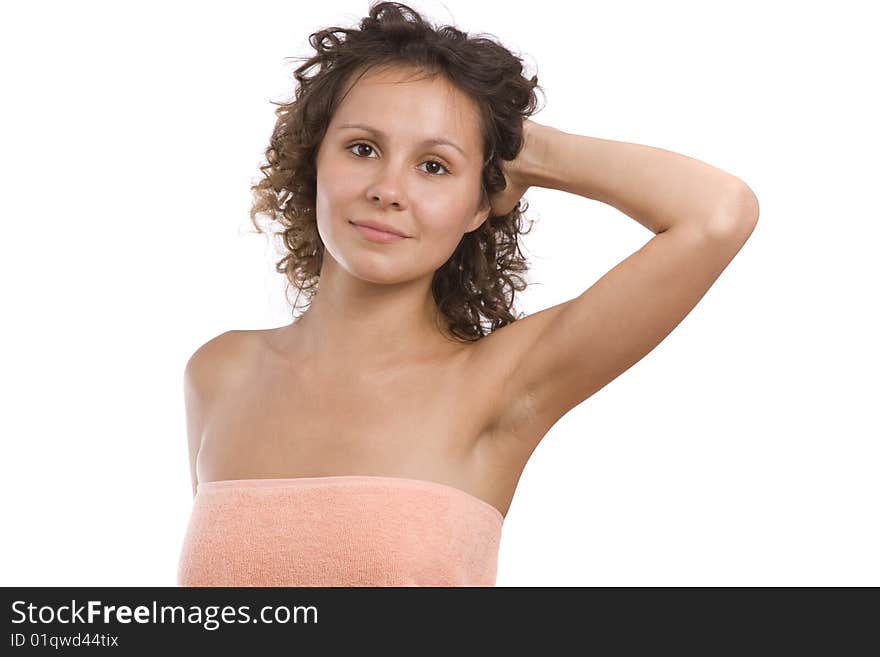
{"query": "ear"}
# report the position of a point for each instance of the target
(481, 214)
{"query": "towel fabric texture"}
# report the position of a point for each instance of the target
(348, 530)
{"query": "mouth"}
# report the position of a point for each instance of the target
(377, 235)
(380, 227)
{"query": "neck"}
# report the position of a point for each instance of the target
(373, 330)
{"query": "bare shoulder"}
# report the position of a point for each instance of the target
(218, 360)
(213, 365)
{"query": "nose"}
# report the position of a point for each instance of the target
(394, 203)
(387, 191)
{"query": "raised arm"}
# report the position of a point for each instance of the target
(560, 356)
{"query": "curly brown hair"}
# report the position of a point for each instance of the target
(479, 278)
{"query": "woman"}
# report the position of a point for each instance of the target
(378, 439)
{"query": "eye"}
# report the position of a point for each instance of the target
(366, 145)
(360, 143)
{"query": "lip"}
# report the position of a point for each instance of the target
(374, 235)
(379, 227)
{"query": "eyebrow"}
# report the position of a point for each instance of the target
(435, 141)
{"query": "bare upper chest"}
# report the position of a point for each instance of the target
(422, 420)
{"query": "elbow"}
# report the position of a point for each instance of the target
(737, 215)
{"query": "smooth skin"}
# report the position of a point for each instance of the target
(375, 320)
(560, 356)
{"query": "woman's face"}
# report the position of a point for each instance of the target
(386, 170)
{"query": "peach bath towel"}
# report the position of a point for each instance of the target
(347, 530)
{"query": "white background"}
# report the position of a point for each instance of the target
(740, 451)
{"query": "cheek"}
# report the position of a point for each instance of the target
(448, 211)
(334, 186)
(328, 175)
